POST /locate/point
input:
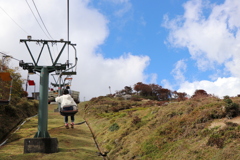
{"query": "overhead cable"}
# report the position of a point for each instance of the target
(10, 56)
(13, 20)
(37, 19)
(41, 19)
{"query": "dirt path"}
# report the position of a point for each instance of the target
(74, 143)
(222, 122)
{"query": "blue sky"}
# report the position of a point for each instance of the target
(181, 45)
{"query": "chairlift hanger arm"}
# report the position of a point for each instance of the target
(73, 45)
(54, 78)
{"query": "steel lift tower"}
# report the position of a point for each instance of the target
(42, 142)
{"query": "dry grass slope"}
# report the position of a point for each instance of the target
(198, 128)
(14, 113)
(177, 130)
(74, 144)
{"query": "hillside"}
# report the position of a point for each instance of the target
(197, 128)
(14, 113)
(74, 144)
(193, 129)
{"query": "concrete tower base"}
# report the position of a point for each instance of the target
(42, 145)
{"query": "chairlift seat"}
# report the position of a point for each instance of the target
(5, 76)
(68, 113)
(69, 73)
(68, 78)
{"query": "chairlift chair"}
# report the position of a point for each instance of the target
(71, 70)
(69, 113)
(6, 90)
(68, 81)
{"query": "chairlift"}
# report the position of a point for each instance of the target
(68, 80)
(71, 70)
(6, 87)
(69, 113)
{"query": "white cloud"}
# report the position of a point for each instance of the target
(213, 40)
(221, 87)
(127, 6)
(124, 6)
(179, 70)
(97, 74)
(166, 84)
(151, 78)
(88, 29)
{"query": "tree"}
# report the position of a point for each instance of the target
(155, 90)
(180, 96)
(144, 89)
(164, 94)
(200, 92)
(17, 90)
(138, 86)
(128, 90)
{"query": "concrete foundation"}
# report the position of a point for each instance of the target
(42, 145)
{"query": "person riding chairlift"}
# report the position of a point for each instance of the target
(69, 90)
(67, 104)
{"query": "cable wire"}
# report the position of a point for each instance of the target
(41, 19)
(10, 56)
(14, 20)
(37, 19)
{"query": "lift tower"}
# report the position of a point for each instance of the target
(42, 136)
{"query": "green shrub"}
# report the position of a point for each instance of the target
(216, 139)
(232, 110)
(227, 99)
(114, 127)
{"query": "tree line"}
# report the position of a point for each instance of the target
(157, 92)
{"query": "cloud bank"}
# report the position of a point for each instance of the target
(211, 34)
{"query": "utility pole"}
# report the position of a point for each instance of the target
(27, 82)
(68, 25)
(110, 89)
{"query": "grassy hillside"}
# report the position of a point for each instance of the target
(132, 129)
(19, 107)
(14, 113)
(73, 144)
(197, 128)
